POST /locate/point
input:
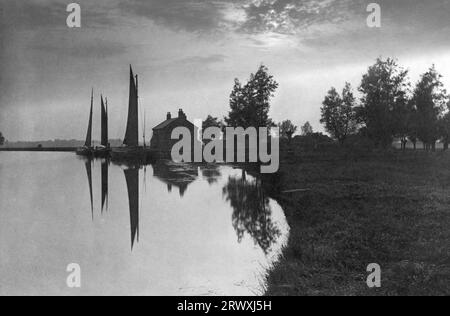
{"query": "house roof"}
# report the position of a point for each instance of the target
(164, 124)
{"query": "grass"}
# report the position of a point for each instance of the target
(387, 208)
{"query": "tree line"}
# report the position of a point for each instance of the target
(390, 108)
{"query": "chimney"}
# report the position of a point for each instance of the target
(181, 114)
(169, 116)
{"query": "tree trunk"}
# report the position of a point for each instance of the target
(404, 143)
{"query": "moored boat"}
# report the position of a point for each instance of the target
(87, 150)
(104, 150)
(131, 151)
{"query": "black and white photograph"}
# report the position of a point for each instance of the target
(224, 153)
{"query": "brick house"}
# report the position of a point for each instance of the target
(161, 142)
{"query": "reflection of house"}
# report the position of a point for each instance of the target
(175, 175)
(162, 142)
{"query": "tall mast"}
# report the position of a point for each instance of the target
(104, 124)
(107, 124)
(88, 142)
(145, 117)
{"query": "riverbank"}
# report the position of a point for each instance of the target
(352, 210)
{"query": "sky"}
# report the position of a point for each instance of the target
(187, 54)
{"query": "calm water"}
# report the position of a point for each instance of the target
(159, 230)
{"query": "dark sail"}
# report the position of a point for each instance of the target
(132, 133)
(105, 168)
(104, 136)
(89, 175)
(132, 178)
(89, 131)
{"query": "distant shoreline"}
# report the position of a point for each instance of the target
(43, 149)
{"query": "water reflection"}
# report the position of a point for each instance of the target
(105, 175)
(252, 213)
(175, 175)
(211, 173)
(181, 244)
(88, 165)
(131, 174)
(132, 179)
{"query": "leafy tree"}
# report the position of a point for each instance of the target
(382, 88)
(338, 113)
(287, 129)
(307, 129)
(2, 139)
(212, 122)
(250, 103)
(430, 98)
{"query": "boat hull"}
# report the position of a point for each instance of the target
(102, 153)
(86, 152)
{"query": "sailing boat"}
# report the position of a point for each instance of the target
(87, 149)
(131, 149)
(104, 149)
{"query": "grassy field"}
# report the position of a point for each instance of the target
(387, 208)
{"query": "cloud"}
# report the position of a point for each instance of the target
(250, 16)
(203, 60)
(188, 15)
(291, 17)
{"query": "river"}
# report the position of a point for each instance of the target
(163, 229)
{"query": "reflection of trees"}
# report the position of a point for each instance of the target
(251, 211)
(211, 173)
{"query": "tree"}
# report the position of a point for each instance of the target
(430, 98)
(413, 135)
(287, 129)
(382, 87)
(338, 113)
(444, 130)
(212, 122)
(403, 116)
(250, 103)
(2, 139)
(307, 129)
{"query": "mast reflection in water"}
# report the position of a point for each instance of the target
(132, 178)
